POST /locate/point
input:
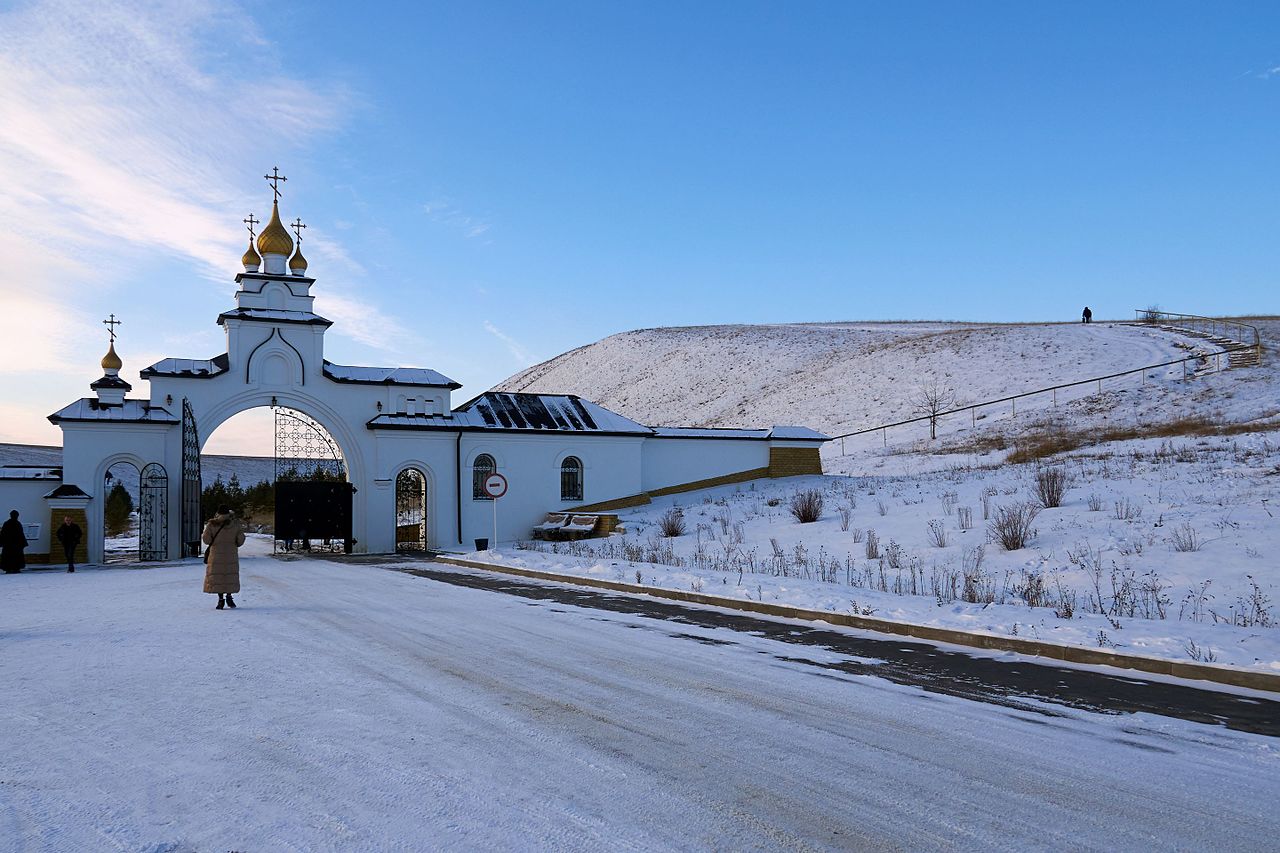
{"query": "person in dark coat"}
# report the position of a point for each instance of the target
(13, 541)
(1087, 316)
(224, 534)
(69, 534)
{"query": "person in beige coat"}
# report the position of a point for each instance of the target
(224, 534)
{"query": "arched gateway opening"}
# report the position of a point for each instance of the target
(286, 476)
(411, 510)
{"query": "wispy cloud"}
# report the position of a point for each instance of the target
(446, 213)
(133, 132)
(518, 352)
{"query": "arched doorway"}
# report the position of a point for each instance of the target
(411, 510)
(135, 512)
(312, 490)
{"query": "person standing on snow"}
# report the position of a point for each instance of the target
(224, 534)
(1087, 316)
(13, 540)
(69, 535)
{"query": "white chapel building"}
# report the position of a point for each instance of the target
(405, 448)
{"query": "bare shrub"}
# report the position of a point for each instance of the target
(937, 533)
(949, 501)
(1012, 524)
(873, 545)
(856, 534)
(1185, 538)
(893, 555)
(987, 494)
(964, 517)
(1203, 654)
(1095, 503)
(671, 523)
(806, 506)
(846, 514)
(1127, 510)
(882, 507)
(1051, 485)
(979, 587)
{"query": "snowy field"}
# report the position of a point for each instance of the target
(1103, 569)
(348, 707)
(1165, 542)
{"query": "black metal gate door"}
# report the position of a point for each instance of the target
(411, 510)
(153, 513)
(191, 485)
(313, 497)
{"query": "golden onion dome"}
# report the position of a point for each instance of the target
(298, 264)
(274, 239)
(111, 361)
(250, 258)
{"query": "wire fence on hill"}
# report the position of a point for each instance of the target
(1232, 339)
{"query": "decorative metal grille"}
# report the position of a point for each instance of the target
(305, 450)
(153, 513)
(480, 471)
(571, 479)
(191, 483)
(411, 510)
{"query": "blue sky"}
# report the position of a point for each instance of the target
(488, 185)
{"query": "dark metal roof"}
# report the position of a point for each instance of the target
(190, 368)
(419, 376)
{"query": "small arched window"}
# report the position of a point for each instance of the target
(571, 479)
(480, 471)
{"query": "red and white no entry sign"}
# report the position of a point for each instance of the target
(495, 485)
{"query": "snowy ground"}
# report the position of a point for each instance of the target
(1111, 576)
(347, 707)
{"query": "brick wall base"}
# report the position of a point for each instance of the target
(56, 554)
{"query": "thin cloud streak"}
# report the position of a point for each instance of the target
(518, 352)
(124, 133)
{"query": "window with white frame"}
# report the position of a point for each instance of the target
(571, 479)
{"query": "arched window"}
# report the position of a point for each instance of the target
(571, 479)
(480, 471)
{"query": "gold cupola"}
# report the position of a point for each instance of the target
(111, 362)
(298, 263)
(251, 259)
(274, 239)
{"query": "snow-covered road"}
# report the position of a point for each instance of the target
(346, 707)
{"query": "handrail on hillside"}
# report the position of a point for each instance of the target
(1144, 314)
(1247, 334)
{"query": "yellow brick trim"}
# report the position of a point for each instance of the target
(794, 461)
(77, 516)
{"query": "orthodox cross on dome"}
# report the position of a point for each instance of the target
(274, 179)
(297, 225)
(111, 326)
(250, 223)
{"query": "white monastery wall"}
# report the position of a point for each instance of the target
(672, 461)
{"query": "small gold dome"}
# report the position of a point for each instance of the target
(298, 264)
(111, 361)
(274, 239)
(250, 258)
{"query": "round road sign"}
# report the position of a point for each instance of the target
(495, 485)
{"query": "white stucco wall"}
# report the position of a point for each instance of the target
(27, 497)
(672, 461)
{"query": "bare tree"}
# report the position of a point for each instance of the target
(932, 400)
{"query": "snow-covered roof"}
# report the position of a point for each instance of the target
(797, 433)
(388, 375)
(30, 472)
(132, 411)
(503, 412)
(68, 490)
(274, 315)
(708, 432)
(197, 368)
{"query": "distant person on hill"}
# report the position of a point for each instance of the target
(69, 535)
(1087, 316)
(224, 534)
(13, 540)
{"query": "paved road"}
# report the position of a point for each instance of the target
(347, 707)
(985, 679)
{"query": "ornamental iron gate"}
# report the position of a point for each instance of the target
(153, 513)
(191, 485)
(312, 495)
(411, 510)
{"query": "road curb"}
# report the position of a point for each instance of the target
(1055, 651)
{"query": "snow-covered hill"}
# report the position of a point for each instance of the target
(835, 377)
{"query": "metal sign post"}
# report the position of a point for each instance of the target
(495, 486)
